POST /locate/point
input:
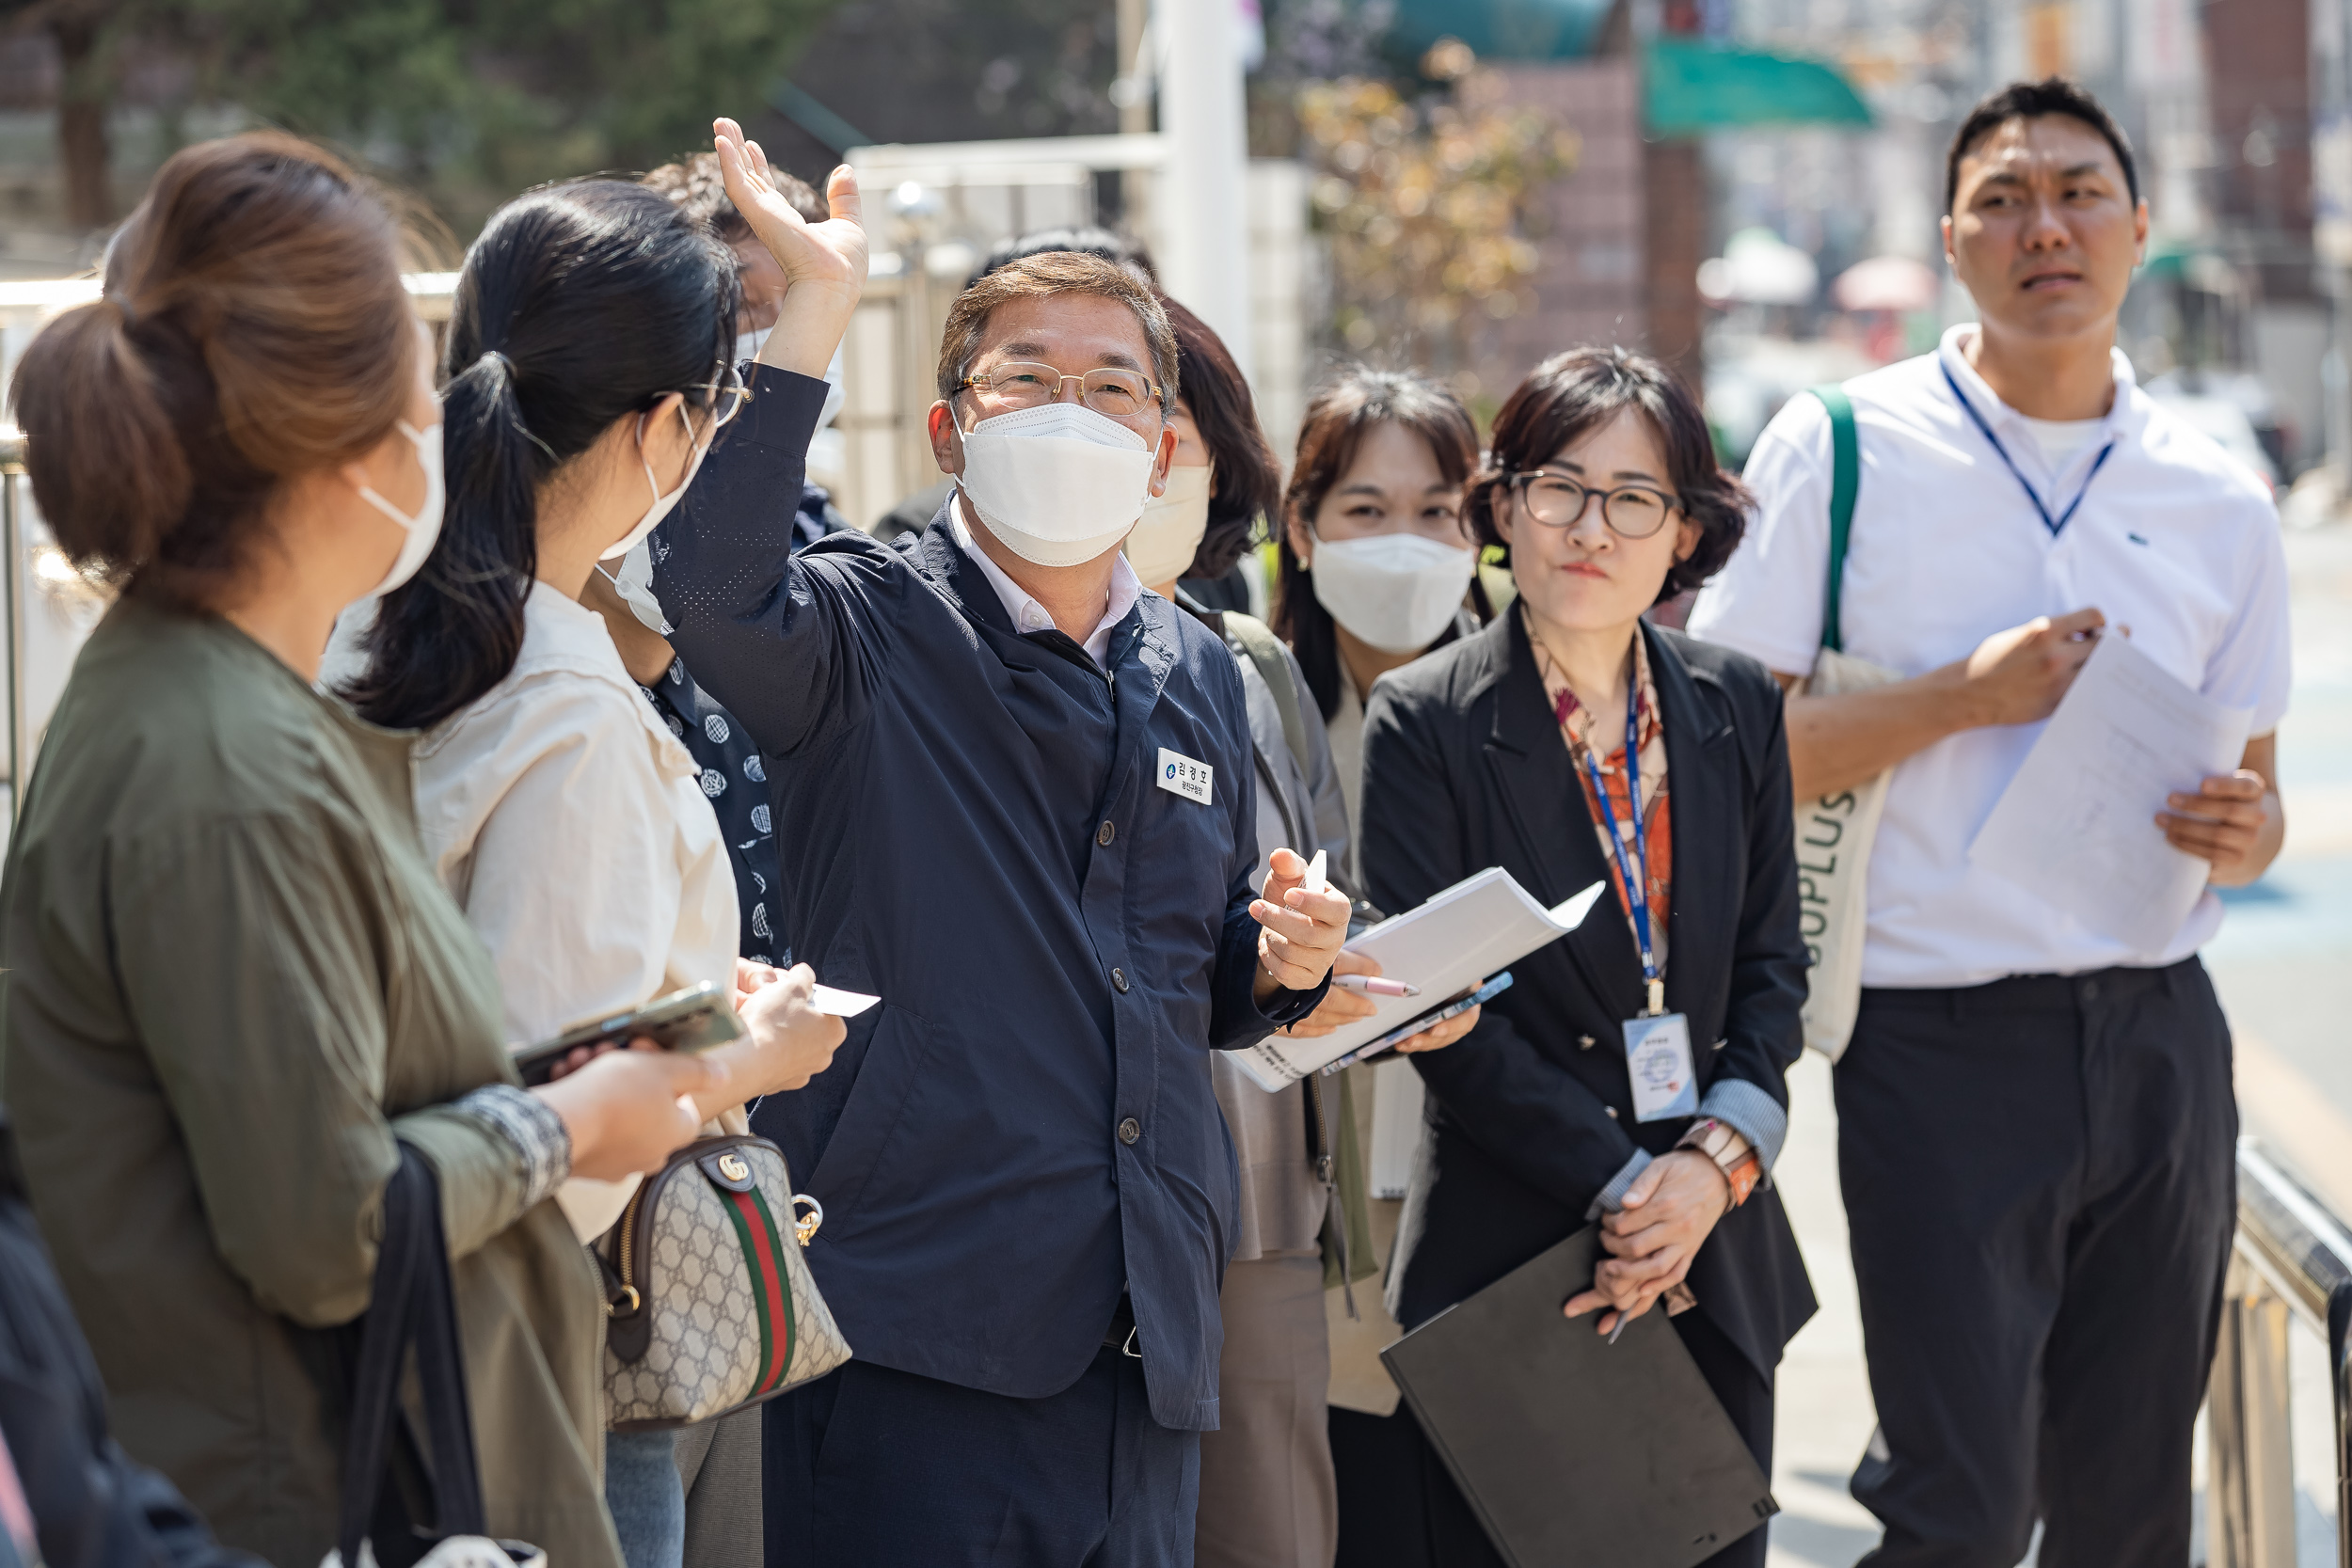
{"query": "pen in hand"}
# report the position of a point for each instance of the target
(1372, 985)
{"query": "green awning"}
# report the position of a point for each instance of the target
(1502, 29)
(1690, 87)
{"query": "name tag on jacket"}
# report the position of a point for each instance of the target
(1179, 775)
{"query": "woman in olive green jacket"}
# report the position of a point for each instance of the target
(232, 983)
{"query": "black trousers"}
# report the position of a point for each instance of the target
(2040, 1181)
(868, 1467)
(1399, 1507)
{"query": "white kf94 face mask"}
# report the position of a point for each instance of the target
(661, 503)
(1397, 592)
(1058, 484)
(1169, 534)
(421, 529)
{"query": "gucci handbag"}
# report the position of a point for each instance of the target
(710, 1306)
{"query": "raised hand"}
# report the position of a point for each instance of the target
(824, 263)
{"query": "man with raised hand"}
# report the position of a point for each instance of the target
(1025, 791)
(2036, 1128)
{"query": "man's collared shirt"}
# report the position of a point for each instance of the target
(1032, 617)
(2173, 539)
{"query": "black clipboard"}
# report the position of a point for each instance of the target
(1572, 1452)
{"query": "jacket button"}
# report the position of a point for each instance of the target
(1130, 1129)
(1118, 981)
(1104, 835)
(1583, 1042)
(1611, 1110)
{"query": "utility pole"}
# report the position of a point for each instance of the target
(1134, 105)
(1204, 197)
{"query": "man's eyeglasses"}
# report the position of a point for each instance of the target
(1555, 501)
(724, 395)
(1119, 394)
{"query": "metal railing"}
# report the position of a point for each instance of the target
(2291, 1258)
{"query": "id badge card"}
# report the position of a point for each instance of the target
(1658, 1055)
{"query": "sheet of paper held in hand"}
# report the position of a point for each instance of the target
(1459, 937)
(2077, 825)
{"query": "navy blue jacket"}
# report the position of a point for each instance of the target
(1024, 1127)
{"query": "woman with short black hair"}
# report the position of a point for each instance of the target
(1568, 743)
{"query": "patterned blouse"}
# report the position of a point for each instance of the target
(1586, 731)
(735, 779)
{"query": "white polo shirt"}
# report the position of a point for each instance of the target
(2173, 538)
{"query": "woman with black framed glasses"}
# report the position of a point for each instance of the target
(1570, 742)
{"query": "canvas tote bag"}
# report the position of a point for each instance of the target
(1835, 831)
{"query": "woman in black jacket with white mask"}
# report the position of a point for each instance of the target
(1568, 742)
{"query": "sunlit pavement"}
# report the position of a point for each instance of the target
(2284, 966)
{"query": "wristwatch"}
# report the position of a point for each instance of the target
(1732, 1153)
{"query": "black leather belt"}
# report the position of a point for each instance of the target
(1121, 1334)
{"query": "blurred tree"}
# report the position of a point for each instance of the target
(467, 99)
(84, 33)
(1426, 208)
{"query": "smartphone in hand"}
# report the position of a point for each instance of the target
(695, 1019)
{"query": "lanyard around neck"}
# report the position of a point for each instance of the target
(1636, 873)
(2064, 518)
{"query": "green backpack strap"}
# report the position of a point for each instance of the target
(1265, 650)
(1845, 481)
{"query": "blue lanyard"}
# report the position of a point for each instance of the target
(2063, 517)
(1636, 875)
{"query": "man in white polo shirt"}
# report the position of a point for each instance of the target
(2036, 1125)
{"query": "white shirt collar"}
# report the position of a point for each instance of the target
(1952, 352)
(1030, 617)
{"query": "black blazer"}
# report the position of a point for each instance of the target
(1532, 1113)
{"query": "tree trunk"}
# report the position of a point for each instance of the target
(82, 151)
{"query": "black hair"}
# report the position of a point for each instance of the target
(1342, 410)
(580, 305)
(1248, 477)
(2051, 95)
(1572, 395)
(1086, 240)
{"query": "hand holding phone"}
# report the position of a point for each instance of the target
(692, 1019)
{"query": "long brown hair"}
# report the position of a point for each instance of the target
(1342, 410)
(253, 327)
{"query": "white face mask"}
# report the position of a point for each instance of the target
(634, 583)
(1169, 534)
(661, 503)
(1397, 592)
(835, 395)
(1058, 484)
(747, 347)
(421, 529)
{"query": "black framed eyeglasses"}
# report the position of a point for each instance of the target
(1555, 501)
(1025, 384)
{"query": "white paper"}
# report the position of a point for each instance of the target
(839, 1003)
(1459, 937)
(2077, 826)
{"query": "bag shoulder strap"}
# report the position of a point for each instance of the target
(409, 1302)
(1845, 481)
(1265, 650)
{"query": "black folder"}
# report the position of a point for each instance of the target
(1575, 1453)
